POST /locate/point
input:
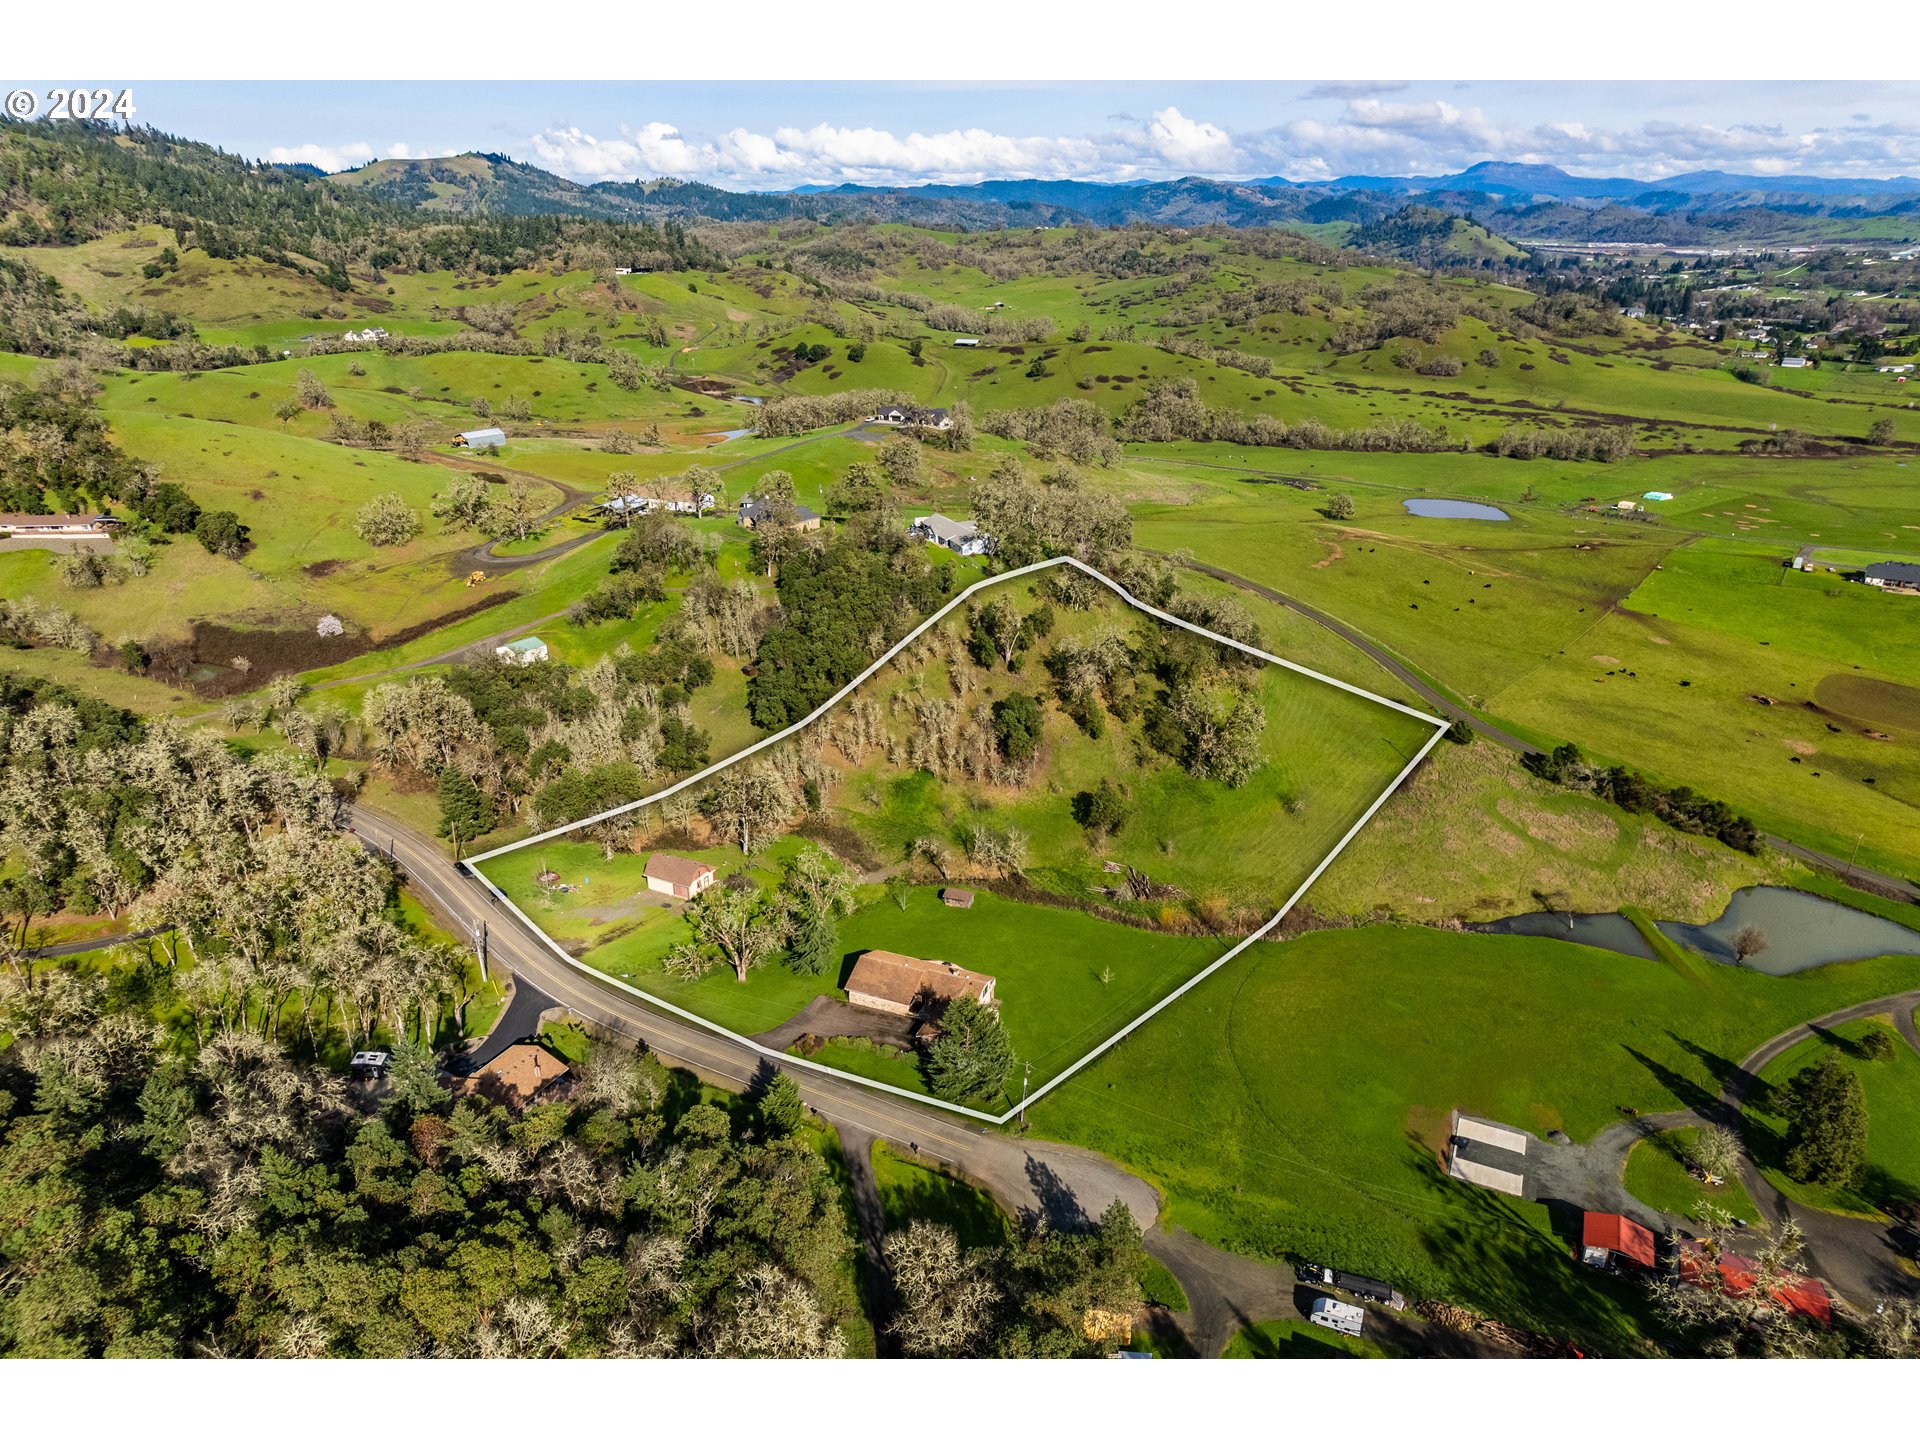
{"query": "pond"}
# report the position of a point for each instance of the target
(730, 434)
(1801, 930)
(1454, 510)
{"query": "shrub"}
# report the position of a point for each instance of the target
(1017, 725)
(386, 520)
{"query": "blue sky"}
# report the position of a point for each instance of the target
(774, 135)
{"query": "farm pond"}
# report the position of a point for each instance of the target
(1802, 931)
(1455, 510)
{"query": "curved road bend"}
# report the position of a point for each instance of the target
(1385, 659)
(1027, 1177)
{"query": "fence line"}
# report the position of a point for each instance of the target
(601, 977)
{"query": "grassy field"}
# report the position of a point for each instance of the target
(1298, 1340)
(1893, 1121)
(1473, 836)
(1066, 980)
(1657, 1175)
(911, 1191)
(1297, 1104)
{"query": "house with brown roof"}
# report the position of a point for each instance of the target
(517, 1077)
(954, 898)
(678, 876)
(906, 985)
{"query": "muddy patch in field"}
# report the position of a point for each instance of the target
(223, 660)
(320, 569)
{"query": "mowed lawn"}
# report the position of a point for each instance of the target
(1657, 1175)
(1892, 1088)
(1297, 1102)
(1066, 980)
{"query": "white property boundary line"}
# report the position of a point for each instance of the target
(601, 977)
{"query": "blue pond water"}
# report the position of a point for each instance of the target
(730, 434)
(1802, 931)
(1454, 510)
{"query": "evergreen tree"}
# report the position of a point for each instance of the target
(1826, 1110)
(972, 1060)
(465, 812)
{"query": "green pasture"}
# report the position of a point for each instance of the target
(1297, 1102)
(1066, 979)
(1892, 1177)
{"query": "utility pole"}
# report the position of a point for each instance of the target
(1025, 1078)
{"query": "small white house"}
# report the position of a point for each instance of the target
(623, 269)
(1795, 362)
(966, 341)
(493, 437)
(527, 650)
(962, 537)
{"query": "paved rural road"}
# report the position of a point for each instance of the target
(1028, 1178)
(98, 942)
(1870, 879)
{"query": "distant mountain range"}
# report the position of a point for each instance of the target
(1519, 202)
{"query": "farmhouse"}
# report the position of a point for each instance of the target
(527, 650)
(70, 526)
(913, 415)
(954, 898)
(518, 1076)
(903, 985)
(962, 537)
(1902, 576)
(622, 505)
(1610, 1240)
(753, 512)
(492, 436)
(678, 876)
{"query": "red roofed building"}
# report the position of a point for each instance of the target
(1605, 1238)
(1800, 1295)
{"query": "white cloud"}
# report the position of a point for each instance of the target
(326, 157)
(1402, 135)
(1347, 89)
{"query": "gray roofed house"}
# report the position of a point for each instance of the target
(753, 511)
(920, 417)
(1894, 574)
(481, 439)
(963, 537)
